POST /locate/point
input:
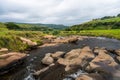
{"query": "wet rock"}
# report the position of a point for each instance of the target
(118, 58)
(96, 50)
(57, 54)
(117, 52)
(93, 76)
(28, 41)
(9, 60)
(39, 72)
(73, 40)
(55, 72)
(103, 63)
(77, 58)
(47, 60)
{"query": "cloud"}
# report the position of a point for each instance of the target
(66, 12)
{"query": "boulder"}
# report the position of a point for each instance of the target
(77, 58)
(28, 41)
(47, 60)
(73, 54)
(92, 76)
(57, 54)
(102, 63)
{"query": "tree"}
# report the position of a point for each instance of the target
(11, 25)
(118, 15)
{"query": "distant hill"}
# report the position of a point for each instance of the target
(53, 26)
(31, 26)
(107, 22)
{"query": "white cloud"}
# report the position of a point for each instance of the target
(67, 12)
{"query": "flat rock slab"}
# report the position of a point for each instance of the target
(10, 58)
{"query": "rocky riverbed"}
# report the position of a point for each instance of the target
(86, 58)
(88, 64)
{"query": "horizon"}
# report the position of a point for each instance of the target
(65, 12)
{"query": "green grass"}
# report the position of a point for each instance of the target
(114, 33)
(101, 24)
(10, 39)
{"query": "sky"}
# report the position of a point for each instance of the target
(67, 12)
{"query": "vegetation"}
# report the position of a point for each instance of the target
(108, 26)
(114, 33)
(10, 39)
(108, 22)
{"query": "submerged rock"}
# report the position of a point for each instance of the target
(93, 76)
(39, 72)
(52, 72)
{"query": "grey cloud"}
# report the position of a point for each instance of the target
(66, 12)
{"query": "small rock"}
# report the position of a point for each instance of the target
(47, 59)
(117, 52)
(57, 54)
(118, 58)
(73, 53)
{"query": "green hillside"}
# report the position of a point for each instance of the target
(107, 22)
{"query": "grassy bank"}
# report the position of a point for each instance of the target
(114, 33)
(10, 39)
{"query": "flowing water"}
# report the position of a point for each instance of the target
(33, 61)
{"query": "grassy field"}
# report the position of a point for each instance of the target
(114, 33)
(10, 39)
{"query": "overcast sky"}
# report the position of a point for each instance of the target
(67, 12)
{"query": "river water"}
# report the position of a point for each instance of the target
(33, 62)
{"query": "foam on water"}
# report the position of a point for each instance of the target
(74, 75)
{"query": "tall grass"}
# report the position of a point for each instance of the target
(10, 39)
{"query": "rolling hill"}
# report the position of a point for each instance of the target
(107, 22)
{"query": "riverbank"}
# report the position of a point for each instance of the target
(114, 33)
